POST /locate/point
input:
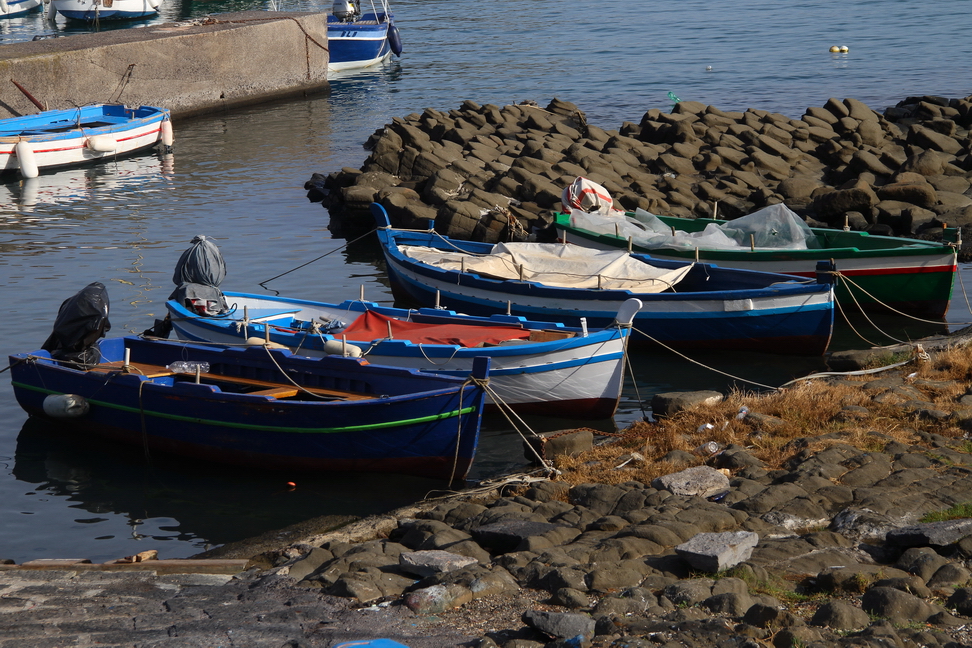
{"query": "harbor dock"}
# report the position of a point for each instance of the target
(192, 67)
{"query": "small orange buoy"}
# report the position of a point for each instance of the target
(292, 484)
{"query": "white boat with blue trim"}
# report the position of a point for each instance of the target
(360, 40)
(88, 134)
(537, 367)
(685, 305)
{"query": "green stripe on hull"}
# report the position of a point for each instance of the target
(263, 428)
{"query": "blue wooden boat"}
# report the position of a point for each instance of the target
(542, 368)
(261, 408)
(685, 305)
(359, 40)
(88, 134)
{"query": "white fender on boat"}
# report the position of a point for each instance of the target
(167, 135)
(3, 6)
(101, 143)
(65, 406)
(339, 347)
(26, 159)
(259, 341)
(154, 3)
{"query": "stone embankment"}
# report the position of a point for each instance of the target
(491, 173)
(720, 548)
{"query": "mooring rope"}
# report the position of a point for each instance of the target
(703, 365)
(343, 245)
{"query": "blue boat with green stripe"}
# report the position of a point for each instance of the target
(262, 408)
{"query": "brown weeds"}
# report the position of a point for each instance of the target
(809, 416)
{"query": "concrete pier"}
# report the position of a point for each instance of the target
(192, 67)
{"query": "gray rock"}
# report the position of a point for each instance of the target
(437, 598)
(668, 403)
(702, 481)
(506, 536)
(896, 606)
(714, 552)
(840, 615)
(688, 592)
(560, 624)
(560, 443)
(433, 561)
(938, 534)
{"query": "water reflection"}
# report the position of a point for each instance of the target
(137, 502)
(93, 182)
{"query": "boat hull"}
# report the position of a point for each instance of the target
(94, 10)
(17, 8)
(358, 44)
(911, 277)
(130, 130)
(577, 377)
(431, 431)
(788, 317)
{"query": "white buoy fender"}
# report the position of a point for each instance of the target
(337, 347)
(259, 341)
(167, 135)
(3, 6)
(65, 406)
(26, 160)
(101, 143)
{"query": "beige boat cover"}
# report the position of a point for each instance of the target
(554, 264)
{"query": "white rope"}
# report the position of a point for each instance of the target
(878, 301)
(850, 324)
(696, 362)
(507, 412)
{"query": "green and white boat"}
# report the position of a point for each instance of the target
(876, 273)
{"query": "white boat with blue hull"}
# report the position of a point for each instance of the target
(538, 367)
(61, 138)
(359, 40)
(17, 8)
(685, 305)
(96, 10)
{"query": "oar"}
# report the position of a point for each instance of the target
(34, 101)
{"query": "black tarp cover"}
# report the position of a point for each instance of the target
(81, 321)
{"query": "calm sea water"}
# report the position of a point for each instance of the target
(238, 178)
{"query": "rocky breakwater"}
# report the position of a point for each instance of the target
(490, 173)
(760, 536)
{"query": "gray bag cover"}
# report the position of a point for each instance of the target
(197, 276)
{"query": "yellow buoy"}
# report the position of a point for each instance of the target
(834, 48)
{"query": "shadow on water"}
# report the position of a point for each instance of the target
(166, 499)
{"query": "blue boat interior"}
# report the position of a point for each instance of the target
(257, 371)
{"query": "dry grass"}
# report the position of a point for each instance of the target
(809, 416)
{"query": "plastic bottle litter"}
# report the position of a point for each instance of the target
(709, 448)
(743, 412)
(188, 366)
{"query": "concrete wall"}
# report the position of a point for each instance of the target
(191, 68)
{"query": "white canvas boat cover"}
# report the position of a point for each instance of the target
(554, 264)
(772, 228)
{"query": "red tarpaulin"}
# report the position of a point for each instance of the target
(371, 325)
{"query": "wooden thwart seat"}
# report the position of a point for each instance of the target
(271, 389)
